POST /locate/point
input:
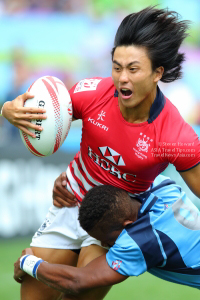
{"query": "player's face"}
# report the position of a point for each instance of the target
(133, 77)
(107, 237)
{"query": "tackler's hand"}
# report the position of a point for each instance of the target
(61, 196)
(18, 273)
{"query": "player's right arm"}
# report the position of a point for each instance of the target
(20, 116)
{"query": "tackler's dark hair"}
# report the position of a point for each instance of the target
(102, 205)
(161, 32)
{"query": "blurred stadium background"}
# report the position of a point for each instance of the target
(71, 39)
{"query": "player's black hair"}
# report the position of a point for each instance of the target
(103, 204)
(161, 32)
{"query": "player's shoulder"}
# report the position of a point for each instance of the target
(89, 92)
(162, 193)
(163, 112)
(174, 116)
(172, 113)
(173, 126)
(93, 85)
(165, 190)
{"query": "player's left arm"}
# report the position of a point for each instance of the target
(72, 280)
(192, 179)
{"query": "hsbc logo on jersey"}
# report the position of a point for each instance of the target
(113, 157)
(86, 85)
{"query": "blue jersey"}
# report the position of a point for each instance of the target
(165, 239)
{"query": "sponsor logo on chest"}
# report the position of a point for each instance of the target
(110, 157)
(98, 122)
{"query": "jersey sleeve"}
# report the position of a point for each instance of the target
(181, 146)
(83, 94)
(125, 257)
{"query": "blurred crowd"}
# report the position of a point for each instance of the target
(95, 7)
(46, 6)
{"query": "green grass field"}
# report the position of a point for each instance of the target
(145, 287)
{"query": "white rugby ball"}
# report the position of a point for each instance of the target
(51, 94)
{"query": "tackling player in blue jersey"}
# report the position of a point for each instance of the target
(158, 232)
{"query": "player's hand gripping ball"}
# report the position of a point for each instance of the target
(51, 94)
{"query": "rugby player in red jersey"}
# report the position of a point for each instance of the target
(131, 132)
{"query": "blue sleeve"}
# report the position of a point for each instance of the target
(166, 195)
(167, 192)
(125, 256)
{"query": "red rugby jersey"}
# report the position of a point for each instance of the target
(123, 154)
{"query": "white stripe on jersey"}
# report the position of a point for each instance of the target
(78, 174)
(69, 188)
(73, 183)
(86, 172)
